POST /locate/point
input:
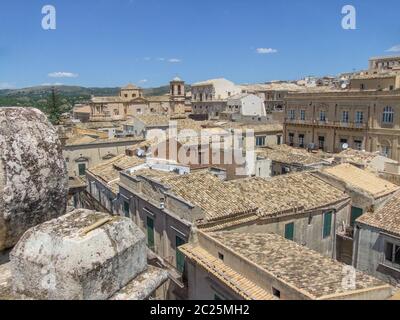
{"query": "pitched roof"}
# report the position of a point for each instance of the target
(290, 155)
(289, 194)
(386, 218)
(202, 189)
(242, 286)
(108, 172)
(361, 179)
(296, 265)
(153, 120)
(80, 139)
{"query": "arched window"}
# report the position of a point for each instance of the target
(388, 115)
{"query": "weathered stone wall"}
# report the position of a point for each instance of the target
(33, 177)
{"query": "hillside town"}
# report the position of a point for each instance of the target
(285, 190)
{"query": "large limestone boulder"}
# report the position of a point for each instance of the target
(33, 175)
(82, 255)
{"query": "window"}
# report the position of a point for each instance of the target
(345, 116)
(386, 151)
(150, 233)
(362, 86)
(279, 140)
(310, 219)
(359, 117)
(301, 140)
(289, 231)
(126, 209)
(260, 141)
(302, 115)
(392, 253)
(321, 143)
(82, 169)
(388, 115)
(292, 114)
(389, 251)
(180, 258)
(276, 293)
(322, 116)
(220, 256)
(291, 139)
(358, 144)
(327, 229)
(355, 214)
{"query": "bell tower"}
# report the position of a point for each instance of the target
(177, 96)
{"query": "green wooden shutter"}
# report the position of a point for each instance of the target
(150, 233)
(355, 214)
(289, 231)
(82, 169)
(180, 258)
(327, 225)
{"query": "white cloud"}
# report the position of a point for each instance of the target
(394, 49)
(63, 75)
(147, 59)
(174, 60)
(266, 50)
(143, 81)
(6, 85)
(161, 59)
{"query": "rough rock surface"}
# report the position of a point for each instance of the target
(33, 175)
(83, 255)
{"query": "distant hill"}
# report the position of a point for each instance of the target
(36, 96)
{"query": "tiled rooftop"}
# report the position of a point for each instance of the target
(217, 199)
(386, 218)
(361, 179)
(361, 157)
(240, 285)
(154, 120)
(289, 193)
(288, 155)
(296, 265)
(108, 172)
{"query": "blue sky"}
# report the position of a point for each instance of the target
(148, 42)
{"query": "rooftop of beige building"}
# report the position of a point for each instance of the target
(289, 155)
(360, 179)
(151, 120)
(305, 270)
(257, 127)
(108, 172)
(381, 75)
(363, 158)
(202, 189)
(386, 218)
(84, 140)
(288, 194)
(242, 286)
(273, 86)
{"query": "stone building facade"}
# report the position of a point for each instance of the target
(333, 120)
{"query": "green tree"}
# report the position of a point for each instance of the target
(55, 107)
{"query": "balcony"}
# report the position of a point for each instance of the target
(328, 124)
